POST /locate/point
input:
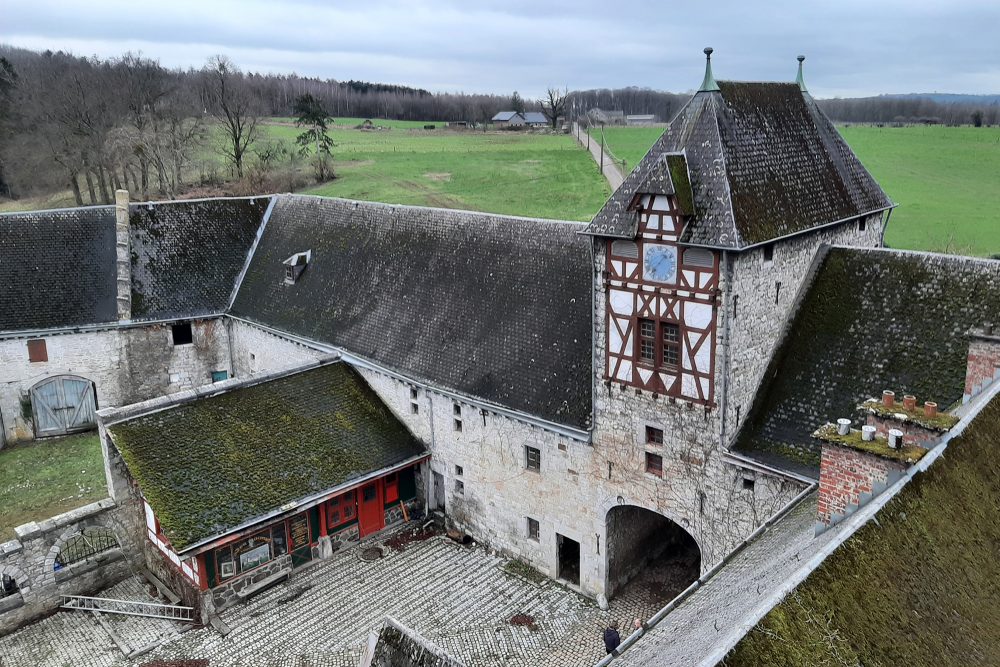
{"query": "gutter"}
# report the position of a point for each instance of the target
(570, 432)
(735, 459)
(705, 578)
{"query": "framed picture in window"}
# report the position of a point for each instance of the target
(227, 569)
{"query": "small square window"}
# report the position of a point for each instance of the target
(654, 464)
(414, 408)
(459, 471)
(37, 351)
(654, 436)
(533, 529)
(460, 487)
(456, 410)
(862, 225)
(458, 424)
(748, 484)
(413, 393)
(769, 253)
(219, 376)
(533, 459)
(182, 333)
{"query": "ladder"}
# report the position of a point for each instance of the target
(128, 608)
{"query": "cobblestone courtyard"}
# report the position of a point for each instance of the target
(461, 598)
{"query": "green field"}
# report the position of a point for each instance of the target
(946, 181)
(47, 477)
(516, 173)
(350, 123)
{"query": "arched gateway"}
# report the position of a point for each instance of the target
(642, 541)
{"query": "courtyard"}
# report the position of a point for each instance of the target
(466, 599)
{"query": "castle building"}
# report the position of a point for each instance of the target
(583, 397)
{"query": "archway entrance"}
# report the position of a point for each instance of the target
(63, 404)
(643, 545)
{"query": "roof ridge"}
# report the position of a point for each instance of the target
(92, 207)
(737, 239)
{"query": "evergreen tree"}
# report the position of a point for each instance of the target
(311, 114)
(516, 103)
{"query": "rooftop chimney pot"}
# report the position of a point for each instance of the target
(895, 438)
(910, 402)
(868, 433)
(888, 398)
(843, 426)
(930, 409)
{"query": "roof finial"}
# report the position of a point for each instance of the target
(799, 80)
(709, 83)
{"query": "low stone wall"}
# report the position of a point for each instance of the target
(240, 588)
(31, 561)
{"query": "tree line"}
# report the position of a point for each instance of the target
(93, 125)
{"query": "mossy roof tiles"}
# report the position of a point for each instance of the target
(57, 268)
(186, 255)
(490, 306)
(871, 320)
(764, 163)
(914, 586)
(215, 463)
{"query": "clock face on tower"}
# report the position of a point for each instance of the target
(660, 263)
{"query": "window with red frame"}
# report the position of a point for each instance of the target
(659, 344)
(392, 488)
(654, 464)
(342, 509)
(647, 341)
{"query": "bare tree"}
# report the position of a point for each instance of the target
(554, 105)
(233, 102)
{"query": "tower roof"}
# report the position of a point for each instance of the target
(764, 162)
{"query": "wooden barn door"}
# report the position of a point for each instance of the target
(371, 517)
(63, 404)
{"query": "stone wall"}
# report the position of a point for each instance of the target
(31, 560)
(845, 474)
(126, 365)
(758, 299)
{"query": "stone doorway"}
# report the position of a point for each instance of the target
(568, 559)
(640, 541)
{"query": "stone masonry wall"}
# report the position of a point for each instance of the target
(126, 365)
(30, 560)
(715, 502)
(845, 474)
(984, 364)
(763, 294)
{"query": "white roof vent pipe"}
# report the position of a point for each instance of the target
(843, 426)
(868, 433)
(895, 438)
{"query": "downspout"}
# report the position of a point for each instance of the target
(429, 476)
(885, 227)
(724, 389)
(229, 338)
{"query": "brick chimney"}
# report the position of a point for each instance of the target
(123, 249)
(854, 468)
(920, 425)
(983, 362)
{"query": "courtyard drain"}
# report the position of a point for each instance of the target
(371, 553)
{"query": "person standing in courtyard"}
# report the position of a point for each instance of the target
(611, 638)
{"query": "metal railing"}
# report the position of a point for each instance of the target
(128, 608)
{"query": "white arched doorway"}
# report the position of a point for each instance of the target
(63, 404)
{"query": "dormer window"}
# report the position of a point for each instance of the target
(295, 265)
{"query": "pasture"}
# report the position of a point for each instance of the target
(515, 173)
(946, 180)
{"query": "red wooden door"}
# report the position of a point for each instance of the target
(371, 518)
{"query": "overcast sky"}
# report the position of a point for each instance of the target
(853, 47)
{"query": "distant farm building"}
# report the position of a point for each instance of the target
(508, 119)
(535, 119)
(605, 117)
(641, 119)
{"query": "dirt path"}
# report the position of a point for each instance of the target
(609, 168)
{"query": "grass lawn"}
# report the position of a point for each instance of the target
(47, 477)
(946, 181)
(515, 173)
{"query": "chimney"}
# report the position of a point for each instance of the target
(888, 398)
(983, 362)
(854, 468)
(799, 80)
(123, 249)
(930, 409)
(909, 402)
(914, 426)
(708, 84)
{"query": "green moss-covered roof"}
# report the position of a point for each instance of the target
(916, 587)
(879, 446)
(215, 463)
(942, 421)
(871, 320)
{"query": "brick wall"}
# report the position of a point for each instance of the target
(845, 474)
(913, 434)
(984, 364)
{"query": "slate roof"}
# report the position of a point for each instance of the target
(915, 585)
(186, 255)
(248, 451)
(57, 268)
(764, 162)
(535, 117)
(493, 307)
(505, 115)
(872, 319)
